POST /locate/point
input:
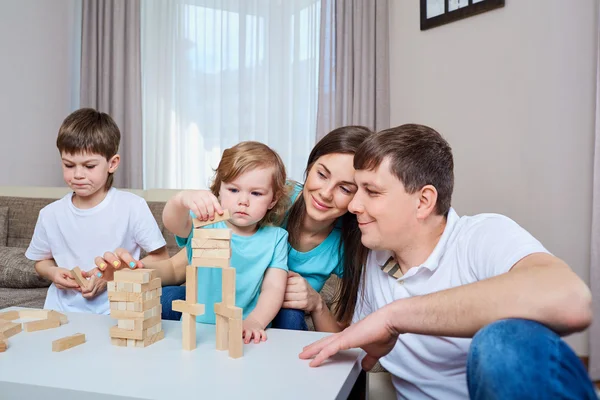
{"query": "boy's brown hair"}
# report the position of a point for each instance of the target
(89, 131)
(418, 156)
(246, 156)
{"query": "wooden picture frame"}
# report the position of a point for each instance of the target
(439, 12)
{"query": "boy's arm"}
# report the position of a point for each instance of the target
(62, 278)
(268, 305)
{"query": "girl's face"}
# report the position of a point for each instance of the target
(329, 187)
(248, 198)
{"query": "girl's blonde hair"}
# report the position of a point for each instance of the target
(247, 156)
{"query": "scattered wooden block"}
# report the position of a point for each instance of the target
(31, 313)
(204, 243)
(59, 316)
(68, 342)
(138, 275)
(228, 286)
(183, 307)
(3, 346)
(9, 315)
(236, 344)
(211, 253)
(211, 262)
(200, 233)
(10, 329)
(41, 325)
(228, 311)
(81, 281)
(188, 328)
(218, 218)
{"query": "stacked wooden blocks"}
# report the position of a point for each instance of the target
(135, 302)
(212, 248)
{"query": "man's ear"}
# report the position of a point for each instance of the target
(113, 163)
(427, 201)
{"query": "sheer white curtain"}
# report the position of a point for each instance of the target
(217, 72)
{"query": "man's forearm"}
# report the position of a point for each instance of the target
(547, 293)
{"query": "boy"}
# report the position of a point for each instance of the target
(91, 220)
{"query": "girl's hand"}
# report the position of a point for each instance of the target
(251, 328)
(299, 294)
(111, 261)
(63, 279)
(95, 285)
(201, 202)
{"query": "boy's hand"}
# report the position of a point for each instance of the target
(63, 279)
(111, 261)
(201, 202)
(95, 285)
(251, 328)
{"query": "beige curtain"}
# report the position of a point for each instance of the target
(111, 76)
(594, 366)
(354, 65)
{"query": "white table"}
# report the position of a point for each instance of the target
(98, 370)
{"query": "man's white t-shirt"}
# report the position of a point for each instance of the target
(472, 248)
(74, 238)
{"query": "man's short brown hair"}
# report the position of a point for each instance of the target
(89, 131)
(418, 156)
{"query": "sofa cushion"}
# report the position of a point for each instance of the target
(32, 298)
(22, 217)
(16, 271)
(3, 225)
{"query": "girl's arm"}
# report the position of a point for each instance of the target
(176, 214)
(269, 303)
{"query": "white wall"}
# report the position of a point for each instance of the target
(513, 91)
(39, 86)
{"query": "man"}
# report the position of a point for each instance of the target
(434, 280)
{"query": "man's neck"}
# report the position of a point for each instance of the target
(85, 203)
(422, 244)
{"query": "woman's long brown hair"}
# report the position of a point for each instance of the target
(344, 140)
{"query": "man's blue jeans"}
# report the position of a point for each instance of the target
(289, 318)
(170, 293)
(522, 359)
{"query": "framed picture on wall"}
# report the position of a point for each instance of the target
(439, 12)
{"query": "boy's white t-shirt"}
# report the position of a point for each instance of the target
(471, 249)
(74, 238)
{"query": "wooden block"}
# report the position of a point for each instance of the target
(188, 329)
(111, 286)
(124, 287)
(39, 314)
(134, 297)
(228, 311)
(81, 281)
(212, 234)
(218, 218)
(118, 342)
(138, 325)
(143, 306)
(211, 262)
(204, 243)
(222, 337)
(116, 332)
(144, 287)
(10, 329)
(138, 275)
(191, 284)
(236, 344)
(211, 253)
(41, 325)
(9, 315)
(68, 342)
(228, 286)
(183, 307)
(122, 306)
(139, 315)
(3, 346)
(151, 339)
(59, 316)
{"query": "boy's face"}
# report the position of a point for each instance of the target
(329, 187)
(386, 213)
(248, 197)
(85, 173)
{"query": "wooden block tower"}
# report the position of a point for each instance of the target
(212, 248)
(135, 302)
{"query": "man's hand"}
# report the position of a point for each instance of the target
(374, 334)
